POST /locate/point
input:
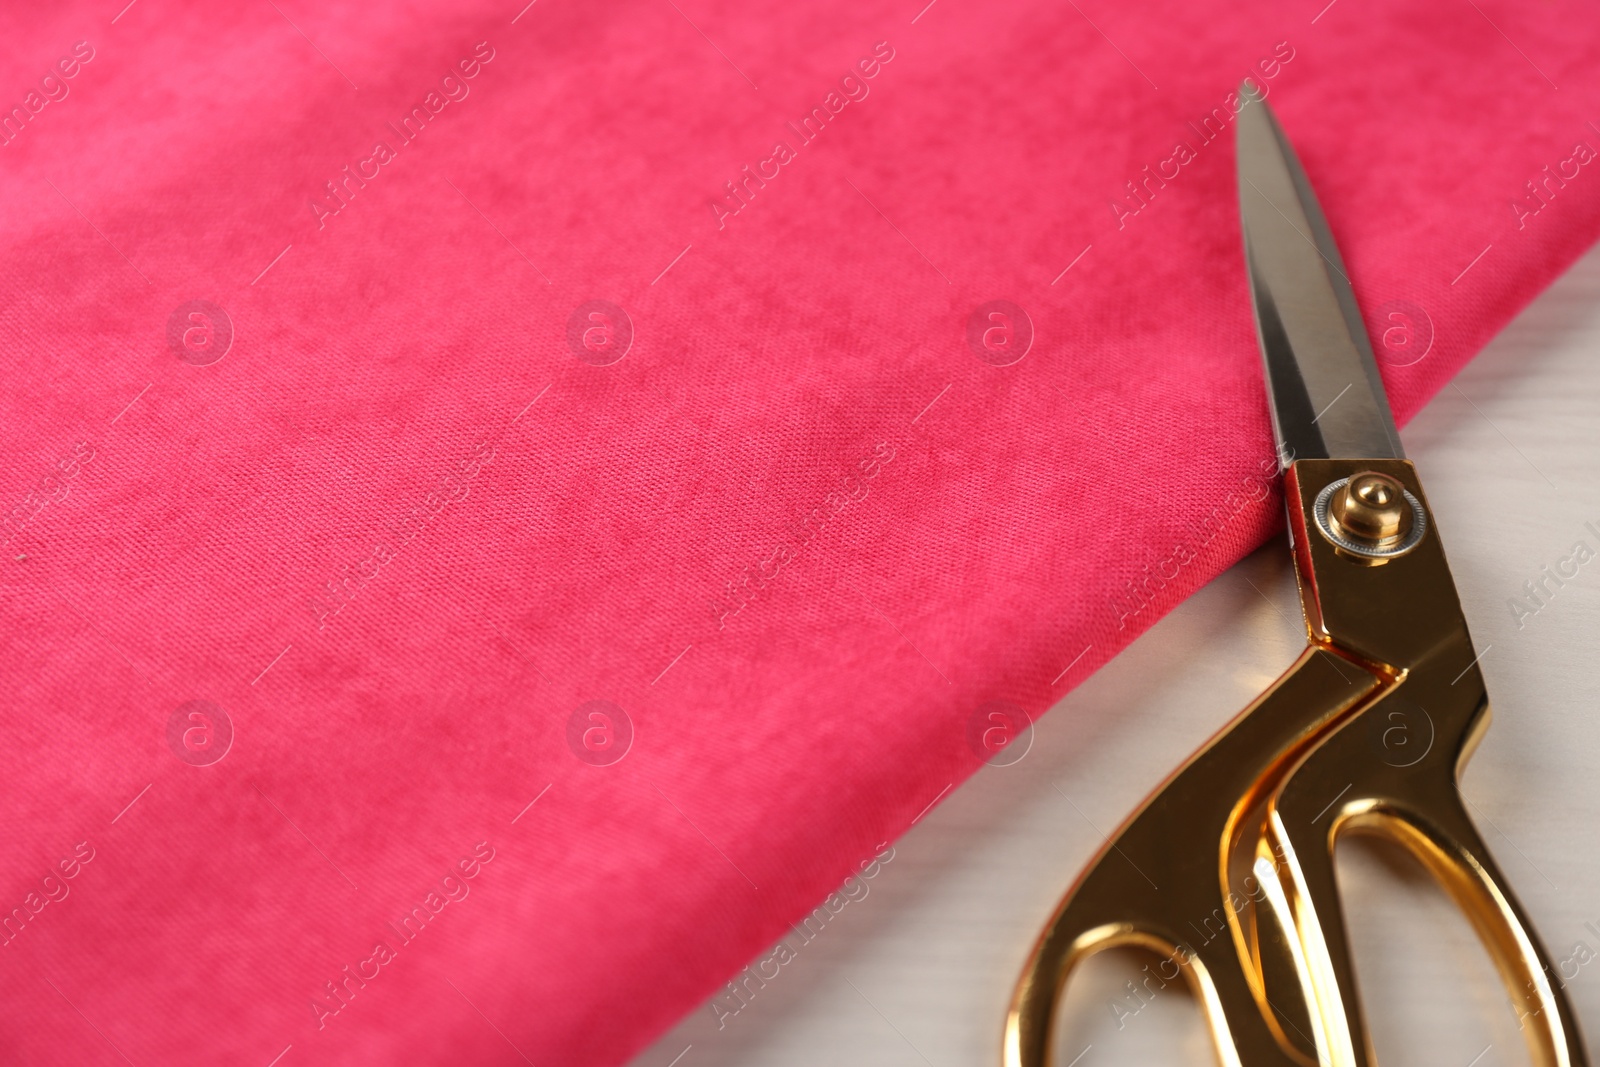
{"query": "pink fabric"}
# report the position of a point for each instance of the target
(400, 535)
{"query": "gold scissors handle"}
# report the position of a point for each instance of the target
(1403, 618)
(1166, 880)
(1227, 870)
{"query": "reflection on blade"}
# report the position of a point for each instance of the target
(1327, 398)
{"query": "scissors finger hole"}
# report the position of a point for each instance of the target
(1131, 1005)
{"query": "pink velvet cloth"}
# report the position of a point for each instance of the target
(382, 555)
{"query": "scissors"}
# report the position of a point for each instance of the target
(1226, 870)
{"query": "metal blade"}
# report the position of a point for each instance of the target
(1326, 396)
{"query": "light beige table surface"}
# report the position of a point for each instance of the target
(918, 972)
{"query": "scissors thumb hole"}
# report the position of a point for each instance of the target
(1449, 846)
(1446, 844)
(1415, 952)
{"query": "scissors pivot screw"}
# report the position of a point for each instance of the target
(1370, 515)
(1371, 508)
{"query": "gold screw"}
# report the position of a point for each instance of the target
(1371, 509)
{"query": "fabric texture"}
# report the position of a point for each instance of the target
(506, 508)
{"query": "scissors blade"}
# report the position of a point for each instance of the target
(1327, 399)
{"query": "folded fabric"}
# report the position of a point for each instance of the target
(506, 508)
